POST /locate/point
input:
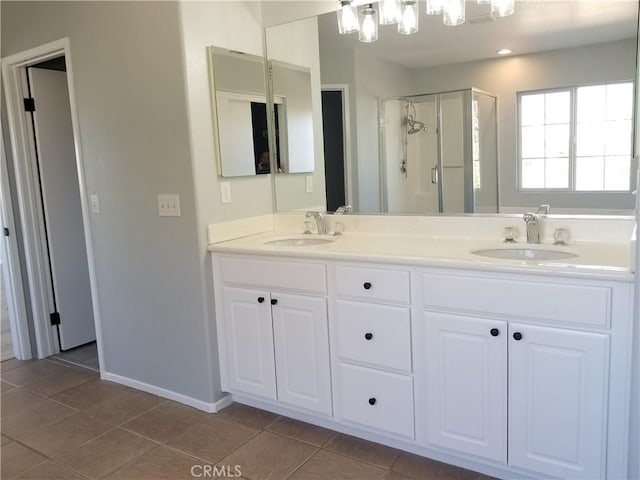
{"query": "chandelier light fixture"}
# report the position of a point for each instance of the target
(365, 17)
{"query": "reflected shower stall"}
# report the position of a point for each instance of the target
(439, 153)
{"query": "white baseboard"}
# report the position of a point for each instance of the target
(208, 407)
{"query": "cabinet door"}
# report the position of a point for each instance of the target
(302, 351)
(557, 401)
(249, 335)
(467, 384)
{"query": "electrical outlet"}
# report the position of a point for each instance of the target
(95, 203)
(308, 182)
(168, 205)
(225, 192)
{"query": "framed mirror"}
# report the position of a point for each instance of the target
(555, 45)
(240, 112)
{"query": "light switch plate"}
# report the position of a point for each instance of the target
(308, 182)
(225, 192)
(168, 205)
(95, 203)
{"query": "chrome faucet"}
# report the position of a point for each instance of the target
(533, 227)
(320, 223)
(343, 209)
(543, 210)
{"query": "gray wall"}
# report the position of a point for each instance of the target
(130, 90)
(504, 77)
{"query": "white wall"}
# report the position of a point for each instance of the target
(128, 71)
(505, 76)
(375, 79)
(291, 191)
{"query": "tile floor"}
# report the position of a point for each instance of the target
(63, 422)
(83, 356)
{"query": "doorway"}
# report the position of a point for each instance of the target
(336, 145)
(52, 206)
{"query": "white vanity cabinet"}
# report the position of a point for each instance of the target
(502, 381)
(371, 360)
(276, 342)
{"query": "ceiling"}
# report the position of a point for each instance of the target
(537, 25)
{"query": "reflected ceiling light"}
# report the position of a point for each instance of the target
(389, 12)
(405, 14)
(453, 12)
(368, 24)
(502, 8)
(347, 17)
(408, 23)
(434, 7)
(503, 51)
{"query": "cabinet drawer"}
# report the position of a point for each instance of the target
(375, 334)
(299, 276)
(377, 399)
(372, 283)
(565, 302)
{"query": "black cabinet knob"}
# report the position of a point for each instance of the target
(372, 401)
(517, 336)
(367, 285)
(274, 301)
(495, 332)
(260, 299)
(368, 336)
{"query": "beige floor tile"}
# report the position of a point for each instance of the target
(123, 407)
(89, 394)
(326, 465)
(213, 439)
(363, 450)
(399, 476)
(23, 412)
(269, 457)
(305, 432)
(47, 378)
(50, 471)
(17, 459)
(12, 363)
(5, 387)
(161, 463)
(252, 417)
(165, 421)
(107, 453)
(5, 440)
(64, 435)
(421, 467)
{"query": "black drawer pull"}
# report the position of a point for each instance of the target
(260, 299)
(517, 336)
(367, 285)
(372, 401)
(368, 336)
(274, 301)
(495, 332)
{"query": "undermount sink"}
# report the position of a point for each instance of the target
(524, 254)
(299, 241)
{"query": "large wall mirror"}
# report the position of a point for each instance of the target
(438, 122)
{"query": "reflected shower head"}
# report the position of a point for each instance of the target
(413, 125)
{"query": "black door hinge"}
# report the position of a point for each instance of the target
(6, 232)
(55, 318)
(29, 105)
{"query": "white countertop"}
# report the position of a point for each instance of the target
(596, 260)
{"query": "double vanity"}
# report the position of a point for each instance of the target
(511, 359)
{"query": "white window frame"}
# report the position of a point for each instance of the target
(572, 140)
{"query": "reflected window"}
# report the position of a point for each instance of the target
(576, 139)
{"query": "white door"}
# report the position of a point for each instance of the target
(557, 401)
(249, 336)
(467, 378)
(62, 209)
(301, 338)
